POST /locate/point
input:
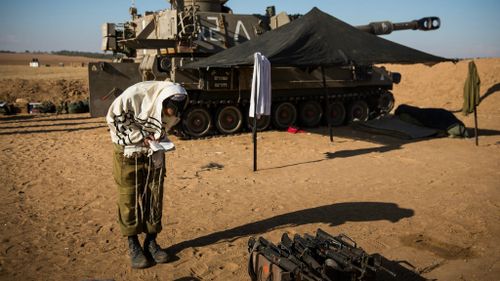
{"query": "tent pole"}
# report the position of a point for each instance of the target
(475, 125)
(254, 133)
(328, 107)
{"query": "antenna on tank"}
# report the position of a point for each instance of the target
(133, 10)
(173, 4)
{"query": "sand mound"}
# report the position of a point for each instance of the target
(442, 85)
(55, 91)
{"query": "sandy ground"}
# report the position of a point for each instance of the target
(44, 60)
(432, 203)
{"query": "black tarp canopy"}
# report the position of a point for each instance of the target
(317, 39)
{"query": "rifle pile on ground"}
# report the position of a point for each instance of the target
(311, 258)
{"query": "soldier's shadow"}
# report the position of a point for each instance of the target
(334, 214)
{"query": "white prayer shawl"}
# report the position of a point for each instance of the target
(261, 86)
(137, 112)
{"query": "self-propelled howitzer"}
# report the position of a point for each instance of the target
(156, 46)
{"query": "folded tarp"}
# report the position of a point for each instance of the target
(317, 39)
(395, 127)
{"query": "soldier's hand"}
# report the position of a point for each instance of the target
(148, 139)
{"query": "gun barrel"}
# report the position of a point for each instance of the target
(387, 27)
(388, 271)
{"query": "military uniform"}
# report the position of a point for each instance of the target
(138, 120)
(139, 202)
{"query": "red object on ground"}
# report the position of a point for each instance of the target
(294, 130)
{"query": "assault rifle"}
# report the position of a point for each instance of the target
(314, 258)
(283, 259)
(346, 255)
(302, 251)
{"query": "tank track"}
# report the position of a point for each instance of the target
(207, 118)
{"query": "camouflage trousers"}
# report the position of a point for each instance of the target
(140, 193)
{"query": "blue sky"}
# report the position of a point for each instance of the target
(468, 28)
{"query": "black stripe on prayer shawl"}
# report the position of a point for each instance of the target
(148, 123)
(128, 121)
(121, 141)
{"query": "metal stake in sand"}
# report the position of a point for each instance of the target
(475, 125)
(254, 134)
(260, 102)
(329, 107)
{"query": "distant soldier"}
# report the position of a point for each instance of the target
(139, 120)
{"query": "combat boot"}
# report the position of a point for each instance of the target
(154, 250)
(137, 256)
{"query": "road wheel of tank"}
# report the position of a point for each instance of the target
(358, 111)
(310, 113)
(197, 122)
(229, 119)
(336, 113)
(284, 115)
(262, 123)
(386, 102)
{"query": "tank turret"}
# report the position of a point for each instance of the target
(387, 27)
